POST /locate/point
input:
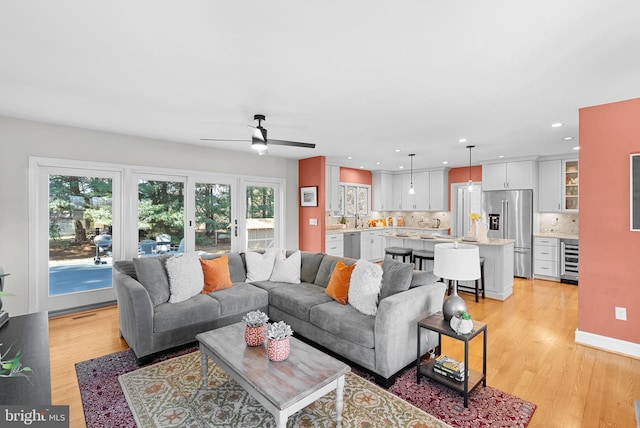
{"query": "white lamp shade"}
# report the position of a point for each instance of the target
(460, 262)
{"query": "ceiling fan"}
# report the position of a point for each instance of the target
(259, 139)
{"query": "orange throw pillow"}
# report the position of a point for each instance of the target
(338, 287)
(216, 274)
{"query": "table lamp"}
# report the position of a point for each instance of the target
(457, 262)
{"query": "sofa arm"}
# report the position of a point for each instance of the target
(396, 326)
(135, 313)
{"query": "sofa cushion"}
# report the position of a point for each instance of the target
(422, 278)
(298, 299)
(126, 267)
(287, 268)
(216, 274)
(260, 266)
(152, 274)
(268, 285)
(240, 298)
(236, 265)
(310, 262)
(338, 287)
(185, 277)
(366, 280)
(326, 267)
(396, 277)
(345, 322)
(198, 309)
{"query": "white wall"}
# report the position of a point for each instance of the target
(20, 139)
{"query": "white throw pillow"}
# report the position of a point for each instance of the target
(260, 266)
(364, 288)
(287, 269)
(185, 277)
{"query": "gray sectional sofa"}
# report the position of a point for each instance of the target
(383, 344)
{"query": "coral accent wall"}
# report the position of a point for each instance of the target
(609, 252)
(461, 175)
(358, 176)
(311, 172)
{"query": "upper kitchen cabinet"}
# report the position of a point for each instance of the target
(571, 183)
(430, 191)
(508, 175)
(382, 191)
(332, 201)
(558, 185)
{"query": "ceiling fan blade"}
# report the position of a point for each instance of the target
(291, 143)
(221, 139)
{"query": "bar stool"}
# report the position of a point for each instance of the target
(398, 252)
(420, 255)
(479, 283)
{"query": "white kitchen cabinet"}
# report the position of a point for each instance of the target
(371, 245)
(420, 200)
(382, 191)
(558, 185)
(334, 244)
(438, 192)
(397, 192)
(332, 187)
(508, 175)
(550, 185)
(545, 257)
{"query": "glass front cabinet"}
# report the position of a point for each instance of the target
(571, 185)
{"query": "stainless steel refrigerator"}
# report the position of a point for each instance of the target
(509, 215)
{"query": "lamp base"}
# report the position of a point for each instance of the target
(452, 305)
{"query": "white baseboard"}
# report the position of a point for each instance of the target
(608, 343)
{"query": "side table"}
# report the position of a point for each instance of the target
(437, 324)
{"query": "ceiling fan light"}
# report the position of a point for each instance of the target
(258, 144)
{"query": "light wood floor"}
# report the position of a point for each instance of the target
(531, 354)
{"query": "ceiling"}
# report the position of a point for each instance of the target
(358, 78)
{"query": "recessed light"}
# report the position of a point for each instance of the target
(401, 167)
(377, 163)
(445, 163)
(349, 157)
(361, 166)
(567, 138)
(462, 140)
(556, 125)
(397, 150)
(501, 156)
(576, 148)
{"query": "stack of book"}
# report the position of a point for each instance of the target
(450, 368)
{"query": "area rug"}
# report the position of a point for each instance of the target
(105, 404)
(170, 393)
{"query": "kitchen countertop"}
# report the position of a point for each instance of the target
(555, 235)
(386, 228)
(448, 238)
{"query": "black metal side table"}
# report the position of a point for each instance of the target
(437, 324)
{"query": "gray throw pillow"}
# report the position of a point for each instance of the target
(152, 274)
(396, 277)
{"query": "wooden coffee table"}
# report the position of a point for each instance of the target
(282, 387)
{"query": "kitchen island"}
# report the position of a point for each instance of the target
(497, 253)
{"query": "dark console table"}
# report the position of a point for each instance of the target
(28, 334)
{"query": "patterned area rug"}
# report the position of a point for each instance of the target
(105, 404)
(170, 393)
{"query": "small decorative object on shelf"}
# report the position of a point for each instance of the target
(461, 323)
(12, 367)
(278, 347)
(255, 333)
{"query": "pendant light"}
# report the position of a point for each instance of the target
(412, 191)
(470, 182)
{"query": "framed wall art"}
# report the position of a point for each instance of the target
(309, 196)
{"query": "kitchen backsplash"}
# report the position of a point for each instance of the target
(411, 218)
(566, 224)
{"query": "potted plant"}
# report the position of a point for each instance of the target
(12, 367)
(254, 333)
(461, 323)
(278, 347)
